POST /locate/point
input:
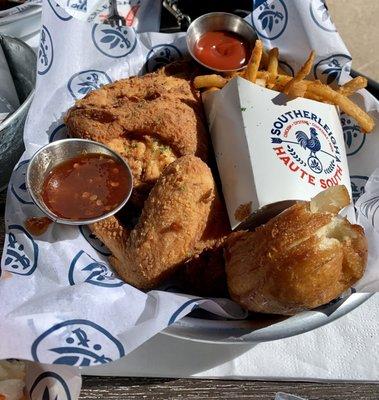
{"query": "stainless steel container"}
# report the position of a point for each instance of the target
(58, 151)
(218, 21)
(22, 64)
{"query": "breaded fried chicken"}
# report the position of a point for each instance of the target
(173, 220)
(149, 120)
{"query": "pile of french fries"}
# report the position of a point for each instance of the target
(263, 69)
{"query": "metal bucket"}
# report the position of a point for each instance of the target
(262, 328)
(22, 65)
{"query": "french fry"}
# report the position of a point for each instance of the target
(262, 75)
(352, 86)
(299, 89)
(264, 60)
(345, 104)
(280, 82)
(272, 65)
(261, 82)
(255, 60)
(212, 89)
(301, 74)
(297, 86)
(207, 81)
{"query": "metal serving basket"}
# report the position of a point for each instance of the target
(22, 64)
(201, 326)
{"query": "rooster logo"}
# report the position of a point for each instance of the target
(313, 144)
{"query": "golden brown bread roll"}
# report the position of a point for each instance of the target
(301, 259)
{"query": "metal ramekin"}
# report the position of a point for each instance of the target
(218, 21)
(56, 152)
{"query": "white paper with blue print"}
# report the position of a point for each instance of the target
(61, 303)
(45, 381)
(137, 13)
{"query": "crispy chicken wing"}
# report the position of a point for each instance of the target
(174, 219)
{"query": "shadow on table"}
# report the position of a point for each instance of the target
(169, 357)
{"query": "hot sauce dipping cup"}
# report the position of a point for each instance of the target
(232, 27)
(53, 162)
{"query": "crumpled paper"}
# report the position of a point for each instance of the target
(61, 303)
(144, 15)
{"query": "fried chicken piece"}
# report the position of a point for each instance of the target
(150, 121)
(204, 274)
(217, 228)
(172, 222)
(113, 234)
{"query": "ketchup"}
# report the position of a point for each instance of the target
(86, 186)
(222, 50)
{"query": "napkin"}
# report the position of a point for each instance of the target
(346, 349)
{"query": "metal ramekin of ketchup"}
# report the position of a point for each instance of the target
(220, 41)
(78, 181)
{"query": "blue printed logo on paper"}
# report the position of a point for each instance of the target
(320, 15)
(114, 42)
(269, 18)
(358, 183)
(352, 134)
(307, 147)
(161, 55)
(84, 82)
(78, 5)
(58, 133)
(96, 243)
(49, 386)
(286, 68)
(174, 317)
(84, 268)
(369, 208)
(18, 183)
(45, 51)
(77, 342)
(329, 69)
(59, 11)
(21, 251)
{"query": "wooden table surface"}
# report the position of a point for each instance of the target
(95, 387)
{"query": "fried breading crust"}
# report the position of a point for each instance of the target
(172, 222)
(299, 260)
(113, 234)
(149, 120)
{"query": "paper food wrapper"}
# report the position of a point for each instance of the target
(270, 149)
(141, 15)
(61, 303)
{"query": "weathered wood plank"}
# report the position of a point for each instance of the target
(174, 389)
